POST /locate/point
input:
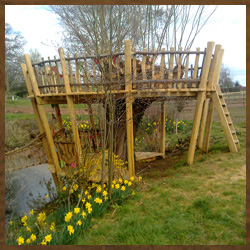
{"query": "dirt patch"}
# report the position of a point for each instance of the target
(160, 165)
(29, 110)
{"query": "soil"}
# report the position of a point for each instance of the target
(160, 165)
(29, 110)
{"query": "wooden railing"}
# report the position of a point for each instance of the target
(95, 73)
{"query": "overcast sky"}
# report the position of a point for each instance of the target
(227, 27)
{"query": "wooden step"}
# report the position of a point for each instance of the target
(230, 123)
(236, 141)
(233, 132)
(227, 113)
(224, 104)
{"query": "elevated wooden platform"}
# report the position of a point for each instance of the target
(129, 75)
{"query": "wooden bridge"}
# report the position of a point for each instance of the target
(130, 75)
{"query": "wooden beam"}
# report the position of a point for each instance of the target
(163, 132)
(203, 123)
(129, 109)
(213, 80)
(71, 108)
(39, 121)
(199, 104)
(208, 126)
(42, 114)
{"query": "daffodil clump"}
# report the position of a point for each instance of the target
(65, 226)
(82, 125)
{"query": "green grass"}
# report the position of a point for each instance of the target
(19, 102)
(27, 102)
(202, 204)
(18, 116)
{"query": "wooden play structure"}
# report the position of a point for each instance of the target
(131, 74)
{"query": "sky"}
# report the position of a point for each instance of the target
(227, 26)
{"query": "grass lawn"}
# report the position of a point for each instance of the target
(201, 204)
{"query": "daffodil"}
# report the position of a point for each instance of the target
(105, 193)
(88, 205)
(123, 188)
(76, 210)
(133, 193)
(32, 212)
(48, 238)
(44, 242)
(83, 214)
(129, 183)
(41, 217)
(28, 241)
(125, 181)
(140, 178)
(79, 223)
(11, 223)
(33, 237)
(20, 240)
(99, 189)
(120, 180)
(98, 200)
(71, 230)
(64, 188)
(75, 187)
(24, 219)
(68, 216)
(117, 186)
(132, 178)
(28, 229)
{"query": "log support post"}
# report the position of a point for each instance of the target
(71, 108)
(199, 104)
(41, 118)
(129, 109)
(213, 80)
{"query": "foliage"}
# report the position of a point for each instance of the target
(204, 204)
(63, 224)
(148, 134)
(19, 133)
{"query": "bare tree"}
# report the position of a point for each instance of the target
(103, 29)
(14, 47)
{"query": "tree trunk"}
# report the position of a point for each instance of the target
(139, 108)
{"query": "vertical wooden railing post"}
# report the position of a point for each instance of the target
(129, 108)
(163, 132)
(212, 73)
(199, 103)
(70, 103)
(41, 114)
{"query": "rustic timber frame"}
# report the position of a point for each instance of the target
(52, 81)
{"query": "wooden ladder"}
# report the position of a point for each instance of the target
(225, 119)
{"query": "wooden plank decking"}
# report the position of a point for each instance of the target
(146, 156)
